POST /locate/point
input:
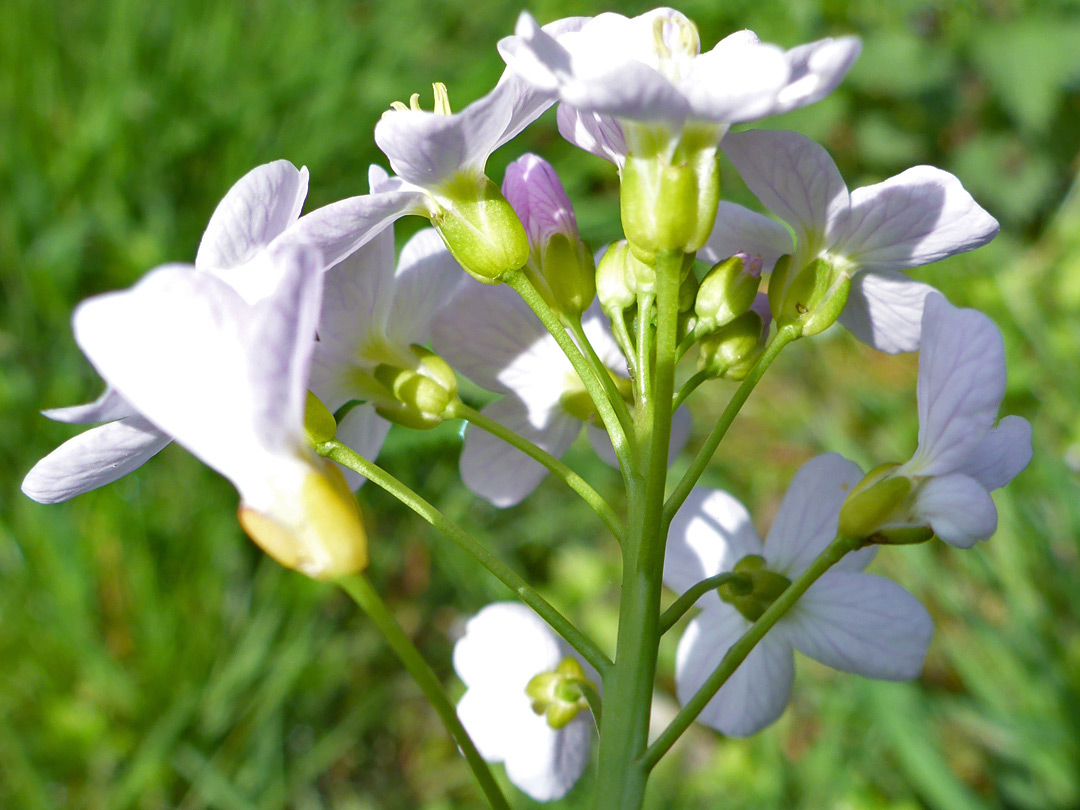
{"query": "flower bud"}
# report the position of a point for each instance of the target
(480, 228)
(727, 291)
(615, 283)
(670, 205)
(422, 393)
(873, 502)
(317, 530)
(731, 351)
(319, 424)
(557, 695)
(813, 299)
(565, 267)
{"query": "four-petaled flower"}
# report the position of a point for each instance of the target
(849, 620)
(919, 216)
(506, 649)
(250, 219)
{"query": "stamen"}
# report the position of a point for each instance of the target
(442, 99)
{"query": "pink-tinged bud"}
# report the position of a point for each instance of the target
(560, 263)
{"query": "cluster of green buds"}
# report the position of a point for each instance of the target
(559, 695)
(730, 318)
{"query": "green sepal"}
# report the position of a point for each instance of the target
(423, 393)
(873, 503)
(726, 292)
(813, 299)
(319, 424)
(615, 285)
(569, 274)
(732, 350)
(480, 228)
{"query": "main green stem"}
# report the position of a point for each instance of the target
(593, 498)
(336, 451)
(628, 686)
(367, 598)
(741, 648)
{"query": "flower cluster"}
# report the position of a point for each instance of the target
(285, 354)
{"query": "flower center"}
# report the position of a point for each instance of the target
(441, 101)
(752, 593)
(558, 695)
(676, 44)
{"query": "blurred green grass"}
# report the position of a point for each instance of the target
(151, 658)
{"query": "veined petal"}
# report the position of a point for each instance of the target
(92, 459)
(961, 384)
(545, 763)
(815, 70)
(364, 431)
(958, 509)
(919, 216)
(257, 209)
(503, 474)
(795, 179)
(1000, 457)
(738, 80)
(336, 230)
(739, 229)
(885, 310)
(427, 278)
(709, 534)
(807, 519)
(106, 408)
(504, 646)
(758, 691)
(599, 134)
(861, 623)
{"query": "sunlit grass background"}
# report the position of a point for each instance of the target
(151, 657)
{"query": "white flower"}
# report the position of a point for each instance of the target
(962, 455)
(649, 70)
(251, 217)
(504, 648)
(228, 380)
(848, 620)
(371, 315)
(920, 216)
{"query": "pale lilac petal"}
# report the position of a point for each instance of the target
(1000, 457)
(495, 720)
(807, 519)
(338, 229)
(961, 384)
(599, 134)
(106, 408)
(958, 509)
(364, 431)
(92, 459)
(740, 230)
(920, 216)
(504, 646)
(534, 190)
(861, 623)
(738, 80)
(427, 278)
(885, 310)
(487, 330)
(816, 69)
(503, 475)
(710, 533)
(545, 763)
(758, 691)
(282, 332)
(257, 209)
(795, 179)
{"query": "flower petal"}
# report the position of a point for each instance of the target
(504, 646)
(257, 209)
(106, 408)
(92, 459)
(338, 229)
(545, 763)
(815, 70)
(958, 509)
(739, 229)
(364, 431)
(885, 310)
(1000, 457)
(861, 623)
(919, 216)
(427, 278)
(503, 474)
(738, 80)
(807, 519)
(710, 533)
(758, 691)
(961, 384)
(795, 179)
(599, 134)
